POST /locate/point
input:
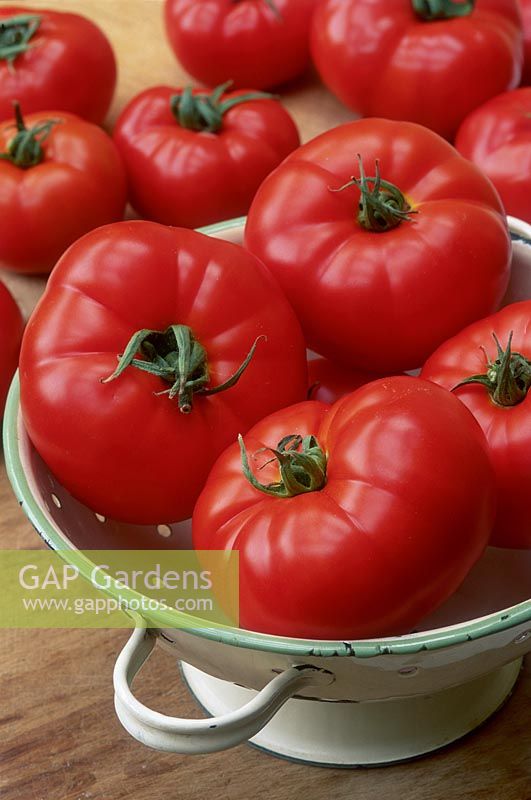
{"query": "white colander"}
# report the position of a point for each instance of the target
(325, 702)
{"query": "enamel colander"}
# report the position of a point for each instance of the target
(341, 703)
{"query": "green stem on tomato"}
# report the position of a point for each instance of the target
(382, 205)
(302, 465)
(25, 148)
(15, 35)
(507, 379)
(176, 356)
(204, 111)
(442, 9)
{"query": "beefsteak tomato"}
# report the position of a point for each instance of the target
(194, 157)
(61, 177)
(189, 314)
(488, 367)
(497, 137)
(352, 521)
(258, 43)
(11, 327)
(379, 289)
(53, 59)
(427, 61)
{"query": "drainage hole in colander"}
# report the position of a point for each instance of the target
(164, 530)
(56, 501)
(100, 517)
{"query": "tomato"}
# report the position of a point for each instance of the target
(381, 506)
(136, 445)
(427, 253)
(526, 14)
(11, 327)
(195, 157)
(61, 177)
(497, 137)
(258, 43)
(51, 59)
(498, 397)
(327, 381)
(428, 61)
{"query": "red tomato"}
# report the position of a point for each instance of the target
(376, 525)
(193, 158)
(52, 59)
(427, 253)
(61, 177)
(258, 43)
(526, 14)
(125, 447)
(428, 61)
(327, 381)
(497, 137)
(500, 402)
(11, 327)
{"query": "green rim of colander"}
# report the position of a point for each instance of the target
(163, 617)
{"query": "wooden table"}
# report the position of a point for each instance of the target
(59, 737)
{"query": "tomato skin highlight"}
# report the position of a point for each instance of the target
(69, 65)
(246, 42)
(497, 137)
(184, 177)
(79, 185)
(382, 301)
(382, 60)
(121, 447)
(508, 430)
(406, 511)
(11, 328)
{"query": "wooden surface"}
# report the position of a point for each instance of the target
(59, 737)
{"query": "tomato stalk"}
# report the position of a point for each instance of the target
(176, 356)
(204, 112)
(15, 35)
(382, 205)
(301, 470)
(442, 9)
(507, 379)
(25, 148)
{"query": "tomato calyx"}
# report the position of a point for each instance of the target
(302, 465)
(204, 112)
(507, 379)
(442, 9)
(176, 356)
(15, 35)
(382, 205)
(25, 148)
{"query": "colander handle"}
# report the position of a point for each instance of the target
(189, 736)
